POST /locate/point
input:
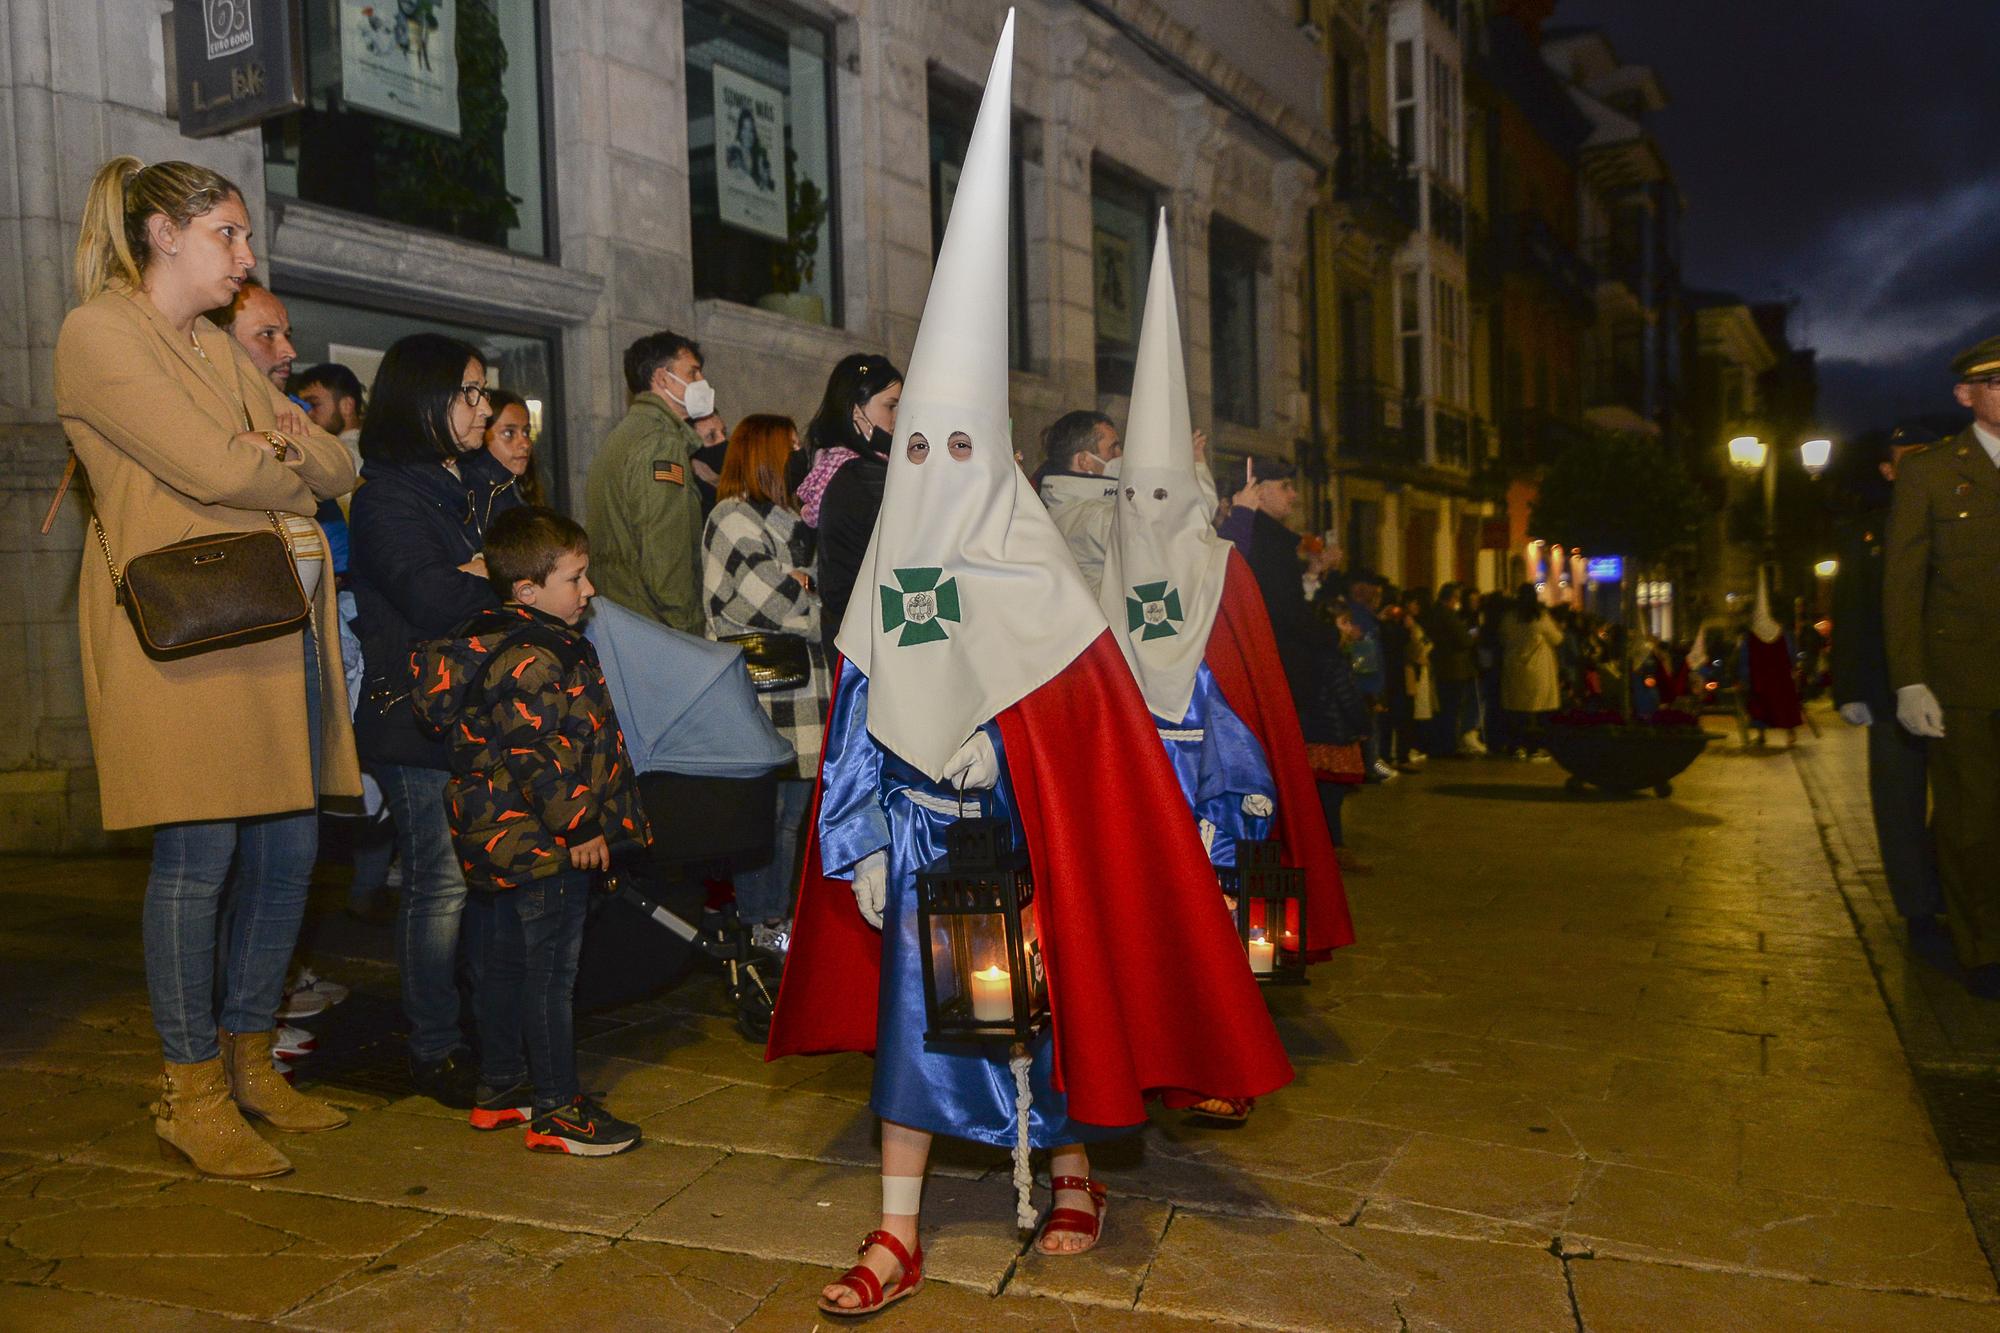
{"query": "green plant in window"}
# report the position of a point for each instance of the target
(794, 262)
(456, 185)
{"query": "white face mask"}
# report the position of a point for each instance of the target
(1109, 467)
(697, 397)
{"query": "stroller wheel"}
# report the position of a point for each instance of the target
(753, 989)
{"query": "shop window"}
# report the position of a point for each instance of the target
(1122, 210)
(519, 361)
(426, 113)
(953, 108)
(760, 158)
(1235, 259)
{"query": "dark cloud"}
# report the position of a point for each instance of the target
(1841, 152)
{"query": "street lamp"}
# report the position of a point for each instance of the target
(1826, 569)
(1747, 452)
(1816, 454)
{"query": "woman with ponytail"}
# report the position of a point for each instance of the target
(225, 753)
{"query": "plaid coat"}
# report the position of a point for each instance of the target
(748, 553)
(537, 761)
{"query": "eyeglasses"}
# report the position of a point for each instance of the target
(473, 394)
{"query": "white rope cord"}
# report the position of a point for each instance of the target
(1024, 1181)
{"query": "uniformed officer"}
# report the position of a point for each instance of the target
(1898, 784)
(1941, 610)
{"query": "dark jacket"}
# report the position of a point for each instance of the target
(1304, 640)
(412, 526)
(1452, 656)
(1342, 717)
(846, 521)
(538, 764)
(492, 488)
(1860, 647)
(1941, 573)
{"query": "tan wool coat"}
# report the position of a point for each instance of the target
(220, 735)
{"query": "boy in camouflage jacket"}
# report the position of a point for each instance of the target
(541, 788)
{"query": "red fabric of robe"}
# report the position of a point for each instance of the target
(1243, 656)
(1773, 700)
(1149, 992)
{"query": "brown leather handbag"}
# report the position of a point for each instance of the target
(212, 592)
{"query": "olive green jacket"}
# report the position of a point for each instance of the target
(1941, 580)
(644, 516)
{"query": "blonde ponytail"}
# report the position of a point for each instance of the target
(112, 244)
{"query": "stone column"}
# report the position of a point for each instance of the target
(1201, 130)
(1081, 60)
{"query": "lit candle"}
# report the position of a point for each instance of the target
(1262, 953)
(993, 995)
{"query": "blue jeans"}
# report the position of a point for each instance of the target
(427, 919)
(765, 894)
(215, 957)
(374, 848)
(531, 938)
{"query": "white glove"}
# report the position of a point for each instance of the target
(1919, 711)
(871, 886)
(1257, 805)
(1207, 831)
(975, 767)
(1857, 714)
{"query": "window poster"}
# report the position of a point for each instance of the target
(750, 154)
(399, 58)
(1113, 254)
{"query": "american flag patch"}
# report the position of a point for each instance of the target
(664, 470)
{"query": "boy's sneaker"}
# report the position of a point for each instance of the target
(582, 1129)
(497, 1110)
(289, 1043)
(302, 1004)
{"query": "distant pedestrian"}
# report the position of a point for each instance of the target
(1530, 684)
(1454, 670)
(1764, 671)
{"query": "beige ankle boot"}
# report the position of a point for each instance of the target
(263, 1092)
(198, 1123)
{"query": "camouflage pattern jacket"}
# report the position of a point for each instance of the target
(537, 760)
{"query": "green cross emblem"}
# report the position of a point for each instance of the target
(919, 605)
(1156, 608)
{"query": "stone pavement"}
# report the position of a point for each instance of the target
(1597, 1063)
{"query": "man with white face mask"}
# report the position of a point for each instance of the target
(642, 503)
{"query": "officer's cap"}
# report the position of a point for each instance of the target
(1978, 361)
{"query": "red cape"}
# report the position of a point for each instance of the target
(1243, 657)
(1149, 991)
(1773, 700)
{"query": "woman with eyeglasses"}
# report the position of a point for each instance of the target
(417, 573)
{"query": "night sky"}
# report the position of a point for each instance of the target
(1843, 152)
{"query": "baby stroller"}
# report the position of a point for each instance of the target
(708, 761)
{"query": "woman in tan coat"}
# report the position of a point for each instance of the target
(1530, 685)
(225, 752)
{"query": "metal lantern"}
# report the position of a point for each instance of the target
(1269, 899)
(983, 972)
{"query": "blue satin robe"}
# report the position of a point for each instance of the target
(870, 800)
(1219, 761)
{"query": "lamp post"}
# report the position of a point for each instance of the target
(1750, 454)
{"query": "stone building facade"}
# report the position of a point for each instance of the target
(608, 148)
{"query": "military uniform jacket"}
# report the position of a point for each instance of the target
(538, 764)
(1941, 575)
(1860, 660)
(645, 517)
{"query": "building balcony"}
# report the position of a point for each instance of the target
(1373, 183)
(1618, 260)
(1377, 426)
(1454, 437)
(1447, 214)
(1531, 438)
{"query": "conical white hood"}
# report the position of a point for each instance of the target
(1762, 623)
(967, 599)
(1165, 564)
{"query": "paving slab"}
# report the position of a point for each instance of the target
(1613, 1296)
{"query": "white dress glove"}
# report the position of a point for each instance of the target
(1919, 711)
(871, 886)
(1857, 714)
(1257, 805)
(1207, 831)
(975, 767)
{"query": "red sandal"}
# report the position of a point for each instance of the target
(1074, 1219)
(861, 1279)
